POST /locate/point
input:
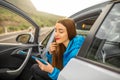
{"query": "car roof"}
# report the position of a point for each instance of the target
(96, 7)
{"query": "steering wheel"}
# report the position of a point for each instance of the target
(12, 74)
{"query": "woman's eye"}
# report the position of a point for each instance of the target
(61, 31)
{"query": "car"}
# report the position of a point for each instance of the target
(98, 58)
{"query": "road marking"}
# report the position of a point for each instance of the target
(7, 38)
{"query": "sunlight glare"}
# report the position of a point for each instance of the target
(63, 8)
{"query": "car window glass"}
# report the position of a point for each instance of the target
(46, 39)
(11, 25)
(83, 26)
(106, 45)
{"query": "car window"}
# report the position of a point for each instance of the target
(11, 25)
(106, 45)
(84, 26)
(46, 39)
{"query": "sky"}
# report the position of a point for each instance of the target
(63, 7)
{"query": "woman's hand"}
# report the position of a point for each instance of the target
(53, 48)
(48, 68)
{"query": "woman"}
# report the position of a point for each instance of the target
(65, 47)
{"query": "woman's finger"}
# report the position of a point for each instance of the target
(53, 49)
(54, 43)
(39, 62)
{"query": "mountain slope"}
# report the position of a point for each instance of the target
(42, 18)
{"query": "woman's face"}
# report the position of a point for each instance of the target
(61, 35)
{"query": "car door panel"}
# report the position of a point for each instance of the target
(83, 70)
(14, 22)
(11, 29)
(6, 59)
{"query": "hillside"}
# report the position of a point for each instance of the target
(42, 18)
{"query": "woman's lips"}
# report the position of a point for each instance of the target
(57, 38)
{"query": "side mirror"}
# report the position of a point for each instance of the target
(23, 38)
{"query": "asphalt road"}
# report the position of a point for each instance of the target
(11, 37)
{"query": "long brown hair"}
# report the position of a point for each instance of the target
(57, 58)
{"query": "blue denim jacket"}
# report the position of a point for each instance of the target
(71, 51)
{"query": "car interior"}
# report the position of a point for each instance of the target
(107, 49)
(84, 26)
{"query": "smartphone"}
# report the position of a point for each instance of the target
(41, 60)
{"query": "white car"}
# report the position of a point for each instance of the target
(99, 57)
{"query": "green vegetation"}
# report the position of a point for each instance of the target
(41, 18)
(13, 22)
